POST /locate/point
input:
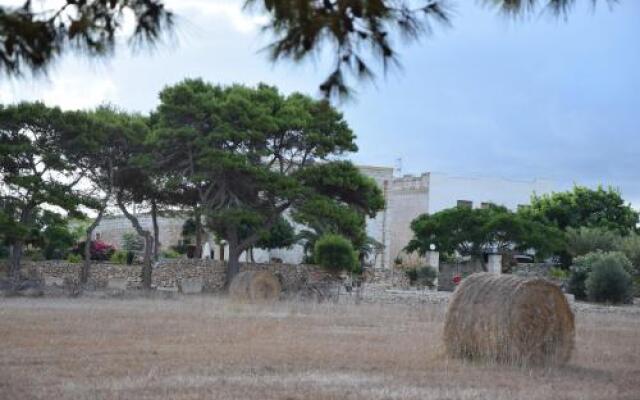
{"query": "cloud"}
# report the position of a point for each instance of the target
(67, 92)
(232, 11)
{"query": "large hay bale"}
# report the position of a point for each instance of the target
(255, 286)
(509, 319)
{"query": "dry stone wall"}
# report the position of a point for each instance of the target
(447, 272)
(170, 273)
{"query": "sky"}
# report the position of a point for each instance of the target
(540, 98)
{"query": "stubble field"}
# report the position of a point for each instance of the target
(207, 347)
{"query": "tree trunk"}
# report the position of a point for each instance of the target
(17, 248)
(148, 244)
(146, 264)
(198, 222)
(236, 247)
(14, 260)
(85, 269)
(156, 230)
(233, 265)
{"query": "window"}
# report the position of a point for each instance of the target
(465, 203)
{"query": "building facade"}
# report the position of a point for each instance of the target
(406, 198)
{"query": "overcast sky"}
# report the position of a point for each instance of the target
(541, 98)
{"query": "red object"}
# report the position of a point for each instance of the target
(100, 246)
(457, 279)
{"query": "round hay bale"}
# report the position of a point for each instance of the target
(255, 286)
(509, 319)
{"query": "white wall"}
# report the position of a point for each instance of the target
(379, 227)
(408, 198)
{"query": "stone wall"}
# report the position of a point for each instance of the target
(391, 278)
(537, 270)
(169, 273)
(448, 271)
(111, 229)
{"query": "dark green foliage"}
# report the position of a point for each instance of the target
(57, 239)
(74, 258)
(609, 283)
(170, 254)
(34, 35)
(35, 171)
(119, 257)
(412, 274)
(180, 248)
(577, 278)
(473, 232)
(347, 198)
(190, 229)
(280, 235)
(630, 246)
(34, 254)
(584, 207)
(131, 241)
(422, 276)
(251, 154)
(335, 253)
(558, 273)
(583, 240)
(584, 265)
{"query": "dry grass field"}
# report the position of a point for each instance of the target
(208, 348)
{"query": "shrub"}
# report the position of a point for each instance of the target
(57, 239)
(335, 253)
(585, 240)
(609, 283)
(583, 266)
(412, 275)
(577, 278)
(422, 276)
(558, 273)
(630, 246)
(427, 276)
(119, 257)
(34, 254)
(100, 251)
(132, 242)
(180, 248)
(74, 258)
(170, 254)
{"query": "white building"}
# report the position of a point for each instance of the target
(406, 198)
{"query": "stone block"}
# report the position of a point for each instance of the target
(117, 284)
(192, 285)
(53, 281)
(167, 289)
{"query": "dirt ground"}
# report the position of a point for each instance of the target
(208, 348)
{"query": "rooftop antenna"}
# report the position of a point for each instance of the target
(398, 167)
